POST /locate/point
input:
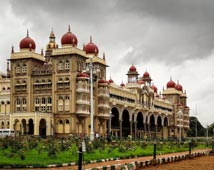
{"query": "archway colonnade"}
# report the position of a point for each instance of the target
(138, 124)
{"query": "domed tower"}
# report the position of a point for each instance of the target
(69, 39)
(132, 74)
(146, 78)
(27, 44)
(52, 44)
(91, 48)
(170, 84)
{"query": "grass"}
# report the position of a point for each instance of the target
(39, 156)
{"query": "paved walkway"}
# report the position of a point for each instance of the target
(120, 161)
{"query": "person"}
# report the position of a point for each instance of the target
(97, 135)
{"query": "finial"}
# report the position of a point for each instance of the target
(42, 51)
(69, 28)
(12, 49)
(27, 33)
(104, 56)
(83, 46)
(90, 38)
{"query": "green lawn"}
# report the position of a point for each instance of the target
(40, 153)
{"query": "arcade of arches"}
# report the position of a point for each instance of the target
(138, 124)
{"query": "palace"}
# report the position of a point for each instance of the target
(55, 92)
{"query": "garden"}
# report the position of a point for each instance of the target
(26, 151)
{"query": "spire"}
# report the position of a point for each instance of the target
(69, 28)
(104, 56)
(12, 49)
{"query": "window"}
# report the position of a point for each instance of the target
(18, 69)
(67, 65)
(60, 65)
(43, 109)
(24, 101)
(43, 100)
(18, 101)
(49, 100)
(37, 100)
(24, 68)
(49, 108)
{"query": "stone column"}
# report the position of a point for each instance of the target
(135, 129)
(121, 129)
(131, 127)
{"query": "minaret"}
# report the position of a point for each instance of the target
(132, 74)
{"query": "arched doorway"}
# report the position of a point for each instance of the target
(152, 125)
(165, 128)
(115, 125)
(42, 128)
(24, 127)
(140, 126)
(159, 127)
(125, 124)
(31, 127)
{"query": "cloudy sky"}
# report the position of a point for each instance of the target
(168, 38)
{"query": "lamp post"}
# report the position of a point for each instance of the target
(180, 117)
(92, 70)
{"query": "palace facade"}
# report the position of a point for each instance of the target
(48, 93)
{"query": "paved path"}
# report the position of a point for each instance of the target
(120, 161)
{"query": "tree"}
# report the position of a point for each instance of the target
(201, 131)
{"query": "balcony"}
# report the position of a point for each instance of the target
(82, 90)
(106, 106)
(84, 102)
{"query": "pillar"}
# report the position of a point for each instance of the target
(121, 129)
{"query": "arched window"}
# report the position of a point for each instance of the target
(18, 101)
(60, 65)
(24, 101)
(66, 121)
(43, 100)
(49, 100)
(37, 100)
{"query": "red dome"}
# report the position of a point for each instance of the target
(69, 38)
(122, 84)
(91, 48)
(146, 75)
(27, 42)
(102, 81)
(111, 81)
(132, 69)
(153, 87)
(82, 75)
(171, 84)
(179, 87)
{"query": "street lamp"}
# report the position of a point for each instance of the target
(92, 69)
(180, 117)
